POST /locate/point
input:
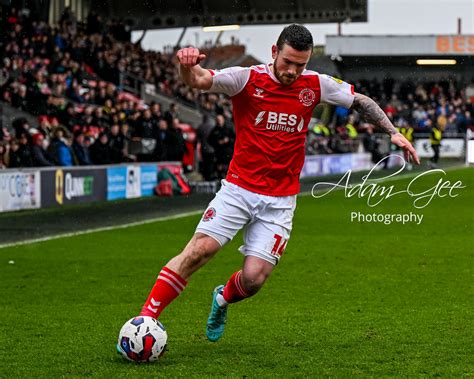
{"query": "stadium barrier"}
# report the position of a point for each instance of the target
(131, 181)
(450, 147)
(469, 147)
(20, 190)
(59, 186)
(319, 165)
(63, 186)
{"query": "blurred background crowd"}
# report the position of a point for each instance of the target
(69, 77)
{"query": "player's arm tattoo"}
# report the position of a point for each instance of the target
(371, 112)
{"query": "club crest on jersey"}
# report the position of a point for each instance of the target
(258, 92)
(307, 97)
(209, 215)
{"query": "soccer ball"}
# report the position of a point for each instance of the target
(142, 339)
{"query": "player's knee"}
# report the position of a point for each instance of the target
(253, 280)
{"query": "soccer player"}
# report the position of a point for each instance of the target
(272, 106)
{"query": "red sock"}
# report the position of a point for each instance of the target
(167, 287)
(234, 290)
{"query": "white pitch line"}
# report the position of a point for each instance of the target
(176, 216)
(101, 229)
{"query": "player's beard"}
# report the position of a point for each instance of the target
(283, 78)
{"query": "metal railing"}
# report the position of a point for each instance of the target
(148, 92)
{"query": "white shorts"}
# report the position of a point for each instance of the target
(267, 220)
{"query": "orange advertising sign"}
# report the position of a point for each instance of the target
(455, 44)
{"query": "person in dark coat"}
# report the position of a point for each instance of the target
(20, 125)
(207, 151)
(80, 150)
(21, 155)
(13, 155)
(100, 150)
(171, 114)
(222, 139)
(175, 145)
(41, 158)
(117, 144)
(162, 137)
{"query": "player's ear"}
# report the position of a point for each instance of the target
(274, 51)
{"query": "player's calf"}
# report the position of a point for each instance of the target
(242, 284)
(172, 279)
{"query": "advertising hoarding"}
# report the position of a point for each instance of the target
(72, 186)
(19, 190)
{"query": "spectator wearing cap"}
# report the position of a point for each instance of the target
(100, 150)
(80, 150)
(41, 158)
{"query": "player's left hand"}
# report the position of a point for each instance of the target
(408, 150)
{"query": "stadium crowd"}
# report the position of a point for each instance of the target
(67, 77)
(70, 77)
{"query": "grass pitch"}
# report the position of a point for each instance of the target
(347, 299)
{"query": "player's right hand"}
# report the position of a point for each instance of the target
(190, 56)
(408, 150)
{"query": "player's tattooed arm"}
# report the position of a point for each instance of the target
(372, 113)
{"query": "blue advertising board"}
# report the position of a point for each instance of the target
(149, 179)
(116, 183)
(320, 165)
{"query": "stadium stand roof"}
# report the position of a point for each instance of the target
(400, 45)
(359, 56)
(159, 14)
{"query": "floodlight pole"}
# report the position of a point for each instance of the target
(218, 39)
(178, 43)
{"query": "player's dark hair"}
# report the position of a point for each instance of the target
(297, 36)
